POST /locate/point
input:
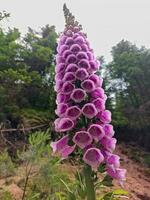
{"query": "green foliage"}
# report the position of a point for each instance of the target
(4, 195)
(7, 167)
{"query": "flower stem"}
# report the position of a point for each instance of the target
(87, 171)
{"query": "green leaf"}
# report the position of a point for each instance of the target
(107, 181)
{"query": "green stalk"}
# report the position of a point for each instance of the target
(87, 171)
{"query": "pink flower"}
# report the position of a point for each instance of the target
(58, 85)
(73, 112)
(66, 53)
(78, 95)
(117, 173)
(71, 59)
(69, 76)
(68, 87)
(62, 48)
(89, 110)
(108, 143)
(84, 64)
(93, 157)
(88, 85)
(99, 104)
(61, 109)
(82, 139)
(82, 55)
(62, 98)
(69, 41)
(79, 40)
(64, 124)
(81, 74)
(105, 116)
(96, 79)
(71, 67)
(75, 48)
(109, 131)
(98, 93)
(113, 160)
(96, 131)
(60, 67)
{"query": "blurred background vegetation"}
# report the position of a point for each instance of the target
(27, 96)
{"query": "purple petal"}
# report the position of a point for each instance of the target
(71, 68)
(62, 48)
(96, 79)
(96, 131)
(61, 109)
(104, 116)
(66, 53)
(113, 160)
(99, 104)
(93, 157)
(88, 85)
(71, 59)
(69, 41)
(62, 98)
(59, 76)
(58, 85)
(64, 124)
(68, 87)
(82, 55)
(81, 74)
(98, 92)
(67, 151)
(119, 174)
(69, 76)
(59, 144)
(108, 143)
(78, 95)
(75, 48)
(82, 139)
(79, 40)
(109, 131)
(73, 112)
(89, 110)
(84, 64)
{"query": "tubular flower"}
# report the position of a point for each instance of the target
(80, 97)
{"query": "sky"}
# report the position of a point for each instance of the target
(106, 22)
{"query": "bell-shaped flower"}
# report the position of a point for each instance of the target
(109, 131)
(60, 67)
(93, 66)
(69, 76)
(85, 48)
(84, 64)
(71, 68)
(96, 79)
(93, 157)
(82, 139)
(88, 85)
(79, 40)
(69, 41)
(62, 148)
(62, 98)
(81, 74)
(97, 93)
(62, 48)
(96, 131)
(113, 160)
(117, 173)
(61, 109)
(71, 59)
(104, 116)
(73, 112)
(89, 110)
(66, 53)
(60, 59)
(78, 95)
(75, 48)
(99, 104)
(64, 124)
(108, 143)
(59, 76)
(68, 87)
(82, 55)
(58, 85)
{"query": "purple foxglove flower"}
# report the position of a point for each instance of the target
(79, 40)
(68, 87)
(60, 67)
(58, 85)
(113, 160)
(63, 39)
(69, 33)
(96, 131)
(60, 144)
(69, 41)
(85, 48)
(93, 66)
(93, 157)
(71, 67)
(59, 76)
(60, 59)
(90, 55)
(71, 59)
(62, 48)
(84, 64)
(109, 131)
(88, 85)
(64, 124)
(69, 76)
(66, 53)
(82, 55)
(62, 98)
(108, 143)
(99, 104)
(104, 116)
(67, 151)
(61, 109)
(117, 173)
(89, 110)
(82, 139)
(75, 48)
(78, 95)
(73, 112)
(81, 74)
(98, 92)
(96, 79)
